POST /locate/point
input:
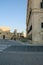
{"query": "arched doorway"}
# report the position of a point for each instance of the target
(3, 36)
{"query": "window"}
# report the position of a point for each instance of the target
(0, 33)
(3, 36)
(7, 33)
(30, 29)
(30, 13)
(42, 0)
(42, 4)
(41, 25)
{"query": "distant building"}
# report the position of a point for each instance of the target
(19, 35)
(34, 21)
(25, 34)
(5, 33)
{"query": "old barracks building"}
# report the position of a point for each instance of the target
(34, 20)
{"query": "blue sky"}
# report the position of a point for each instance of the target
(13, 14)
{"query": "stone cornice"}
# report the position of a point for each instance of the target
(37, 10)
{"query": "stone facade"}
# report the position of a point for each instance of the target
(34, 21)
(5, 33)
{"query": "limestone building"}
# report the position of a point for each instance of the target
(34, 21)
(5, 33)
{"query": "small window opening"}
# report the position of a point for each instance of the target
(41, 25)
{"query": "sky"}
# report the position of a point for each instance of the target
(13, 14)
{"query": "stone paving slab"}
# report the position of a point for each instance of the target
(12, 56)
(24, 48)
(21, 58)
